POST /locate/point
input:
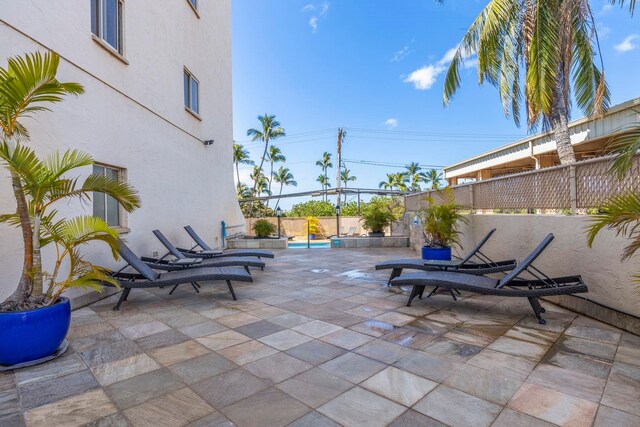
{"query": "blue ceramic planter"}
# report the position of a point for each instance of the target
(440, 254)
(33, 334)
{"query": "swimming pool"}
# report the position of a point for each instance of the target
(314, 245)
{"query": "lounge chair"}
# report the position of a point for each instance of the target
(509, 286)
(350, 233)
(206, 252)
(485, 265)
(182, 261)
(147, 278)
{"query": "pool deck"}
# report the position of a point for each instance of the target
(319, 340)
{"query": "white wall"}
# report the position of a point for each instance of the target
(133, 116)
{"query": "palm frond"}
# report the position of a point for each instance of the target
(620, 213)
(123, 192)
(625, 144)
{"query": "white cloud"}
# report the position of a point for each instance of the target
(448, 57)
(603, 31)
(322, 13)
(313, 23)
(606, 8)
(391, 123)
(628, 44)
(400, 54)
(324, 8)
(308, 8)
(423, 78)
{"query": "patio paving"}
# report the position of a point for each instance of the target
(319, 340)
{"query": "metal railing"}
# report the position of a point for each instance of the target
(582, 185)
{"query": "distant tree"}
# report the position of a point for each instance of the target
(389, 184)
(324, 183)
(243, 191)
(240, 156)
(283, 177)
(346, 177)
(271, 129)
(325, 164)
(275, 156)
(434, 178)
(414, 176)
(401, 181)
(312, 208)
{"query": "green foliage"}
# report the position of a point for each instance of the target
(259, 210)
(263, 228)
(312, 208)
(379, 213)
(350, 209)
(440, 220)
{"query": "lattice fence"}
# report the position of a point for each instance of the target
(583, 185)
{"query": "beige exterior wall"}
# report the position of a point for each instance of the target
(132, 115)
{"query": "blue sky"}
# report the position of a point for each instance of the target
(376, 68)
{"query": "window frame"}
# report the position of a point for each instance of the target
(193, 4)
(98, 29)
(188, 77)
(123, 224)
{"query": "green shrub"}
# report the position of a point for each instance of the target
(263, 228)
(440, 221)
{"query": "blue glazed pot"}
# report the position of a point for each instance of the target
(33, 334)
(312, 237)
(440, 254)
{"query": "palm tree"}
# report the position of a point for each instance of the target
(275, 156)
(434, 178)
(283, 177)
(324, 183)
(325, 164)
(260, 182)
(240, 155)
(390, 183)
(414, 176)
(243, 191)
(27, 85)
(346, 177)
(271, 129)
(553, 45)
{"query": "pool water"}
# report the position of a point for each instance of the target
(314, 245)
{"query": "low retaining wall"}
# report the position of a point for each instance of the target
(369, 242)
(257, 243)
(292, 226)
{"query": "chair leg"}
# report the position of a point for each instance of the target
(537, 309)
(415, 291)
(195, 286)
(394, 273)
(174, 288)
(457, 292)
(123, 297)
(453, 295)
(233, 294)
(433, 291)
(246, 268)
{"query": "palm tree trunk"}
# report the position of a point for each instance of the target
(237, 175)
(560, 124)
(270, 179)
(37, 258)
(279, 194)
(264, 155)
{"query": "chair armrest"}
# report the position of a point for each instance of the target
(127, 276)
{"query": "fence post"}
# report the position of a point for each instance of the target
(573, 193)
(471, 197)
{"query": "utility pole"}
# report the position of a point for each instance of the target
(341, 134)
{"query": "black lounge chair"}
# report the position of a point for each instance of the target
(485, 265)
(182, 261)
(206, 252)
(147, 278)
(510, 285)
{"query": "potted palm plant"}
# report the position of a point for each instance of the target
(440, 225)
(35, 319)
(378, 215)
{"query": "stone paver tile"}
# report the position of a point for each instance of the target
(142, 330)
(217, 312)
(622, 396)
(314, 419)
(176, 409)
(112, 372)
(228, 388)
(223, 340)
(83, 330)
(237, 320)
(139, 389)
(452, 349)
(202, 329)
(503, 364)
(73, 411)
(429, 366)
(520, 348)
(396, 319)
(375, 328)
(553, 406)
(173, 354)
(314, 387)
(284, 340)
(316, 328)
(510, 418)
(39, 393)
(347, 339)
(115, 420)
(409, 338)
(535, 336)
(609, 417)
(412, 418)
(64, 365)
(400, 386)
(353, 367)
(359, 407)
(580, 363)
(456, 408)
(268, 312)
(161, 339)
(117, 350)
(277, 368)
(215, 419)
(200, 368)
(588, 347)
(625, 373)
(568, 381)
(269, 407)
(290, 320)
(316, 352)
(463, 335)
(247, 352)
(491, 386)
(383, 351)
(628, 352)
(366, 311)
(598, 334)
(9, 404)
(259, 329)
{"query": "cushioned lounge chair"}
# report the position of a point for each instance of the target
(350, 233)
(206, 252)
(509, 286)
(147, 278)
(182, 261)
(483, 265)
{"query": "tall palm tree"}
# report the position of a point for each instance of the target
(324, 183)
(325, 164)
(283, 177)
(260, 182)
(275, 156)
(434, 178)
(401, 181)
(553, 44)
(271, 129)
(243, 191)
(240, 156)
(415, 176)
(27, 85)
(346, 177)
(390, 183)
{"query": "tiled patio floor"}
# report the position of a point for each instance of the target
(318, 340)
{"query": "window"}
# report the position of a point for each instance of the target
(194, 4)
(106, 22)
(105, 206)
(191, 92)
